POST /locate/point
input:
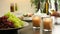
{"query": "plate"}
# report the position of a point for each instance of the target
(29, 19)
(25, 24)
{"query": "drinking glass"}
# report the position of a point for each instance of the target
(36, 21)
(47, 23)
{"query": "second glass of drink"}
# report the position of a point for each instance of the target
(47, 23)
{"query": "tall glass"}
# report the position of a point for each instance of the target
(36, 21)
(47, 23)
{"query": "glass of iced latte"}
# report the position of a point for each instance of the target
(36, 20)
(47, 24)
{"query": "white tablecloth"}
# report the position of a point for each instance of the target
(56, 29)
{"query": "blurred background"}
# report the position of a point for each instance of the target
(23, 6)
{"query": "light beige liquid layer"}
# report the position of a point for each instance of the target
(47, 23)
(36, 21)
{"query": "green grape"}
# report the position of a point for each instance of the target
(17, 22)
(8, 14)
(17, 19)
(17, 25)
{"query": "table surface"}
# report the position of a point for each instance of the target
(30, 30)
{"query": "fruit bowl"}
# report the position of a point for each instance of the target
(12, 30)
(25, 24)
(10, 24)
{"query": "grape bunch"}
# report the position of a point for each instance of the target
(18, 23)
(4, 23)
(10, 21)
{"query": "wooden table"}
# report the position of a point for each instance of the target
(30, 30)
